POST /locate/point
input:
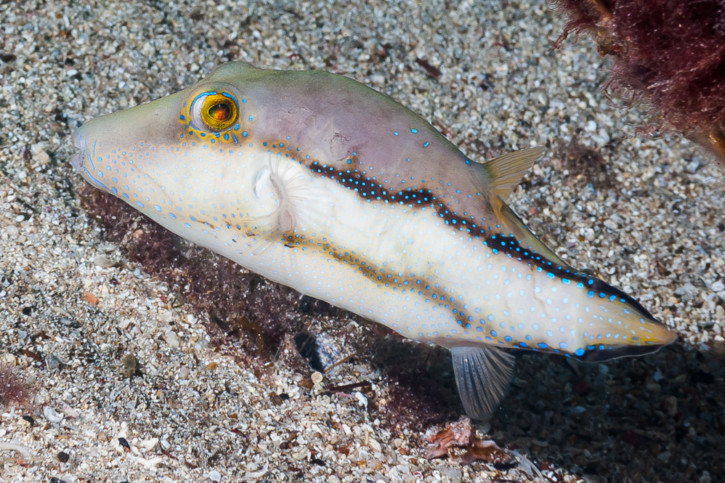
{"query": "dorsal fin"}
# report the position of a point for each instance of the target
(505, 172)
(502, 175)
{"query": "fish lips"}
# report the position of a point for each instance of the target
(82, 162)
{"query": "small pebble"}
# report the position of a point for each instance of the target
(52, 415)
(129, 366)
(68, 322)
(149, 444)
(214, 475)
(361, 399)
(322, 351)
(90, 298)
(692, 166)
(123, 443)
(452, 474)
(103, 261)
(40, 155)
(52, 362)
(172, 339)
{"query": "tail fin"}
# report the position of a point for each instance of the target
(618, 326)
(658, 337)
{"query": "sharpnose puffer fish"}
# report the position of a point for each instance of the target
(320, 183)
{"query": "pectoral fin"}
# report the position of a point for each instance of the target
(297, 199)
(482, 376)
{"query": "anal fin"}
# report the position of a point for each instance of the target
(482, 376)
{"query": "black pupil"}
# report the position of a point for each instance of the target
(220, 112)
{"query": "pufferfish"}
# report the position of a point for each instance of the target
(320, 183)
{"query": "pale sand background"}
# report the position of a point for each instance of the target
(652, 222)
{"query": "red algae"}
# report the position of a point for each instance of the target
(669, 55)
(13, 390)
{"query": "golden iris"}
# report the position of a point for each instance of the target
(218, 112)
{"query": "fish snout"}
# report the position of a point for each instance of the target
(83, 159)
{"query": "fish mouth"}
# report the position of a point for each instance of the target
(79, 158)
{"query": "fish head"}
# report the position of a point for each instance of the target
(182, 159)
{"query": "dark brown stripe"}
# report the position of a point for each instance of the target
(378, 275)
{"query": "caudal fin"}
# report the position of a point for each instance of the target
(616, 325)
(653, 336)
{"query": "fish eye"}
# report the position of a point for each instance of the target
(214, 111)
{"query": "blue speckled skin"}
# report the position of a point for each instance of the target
(325, 185)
